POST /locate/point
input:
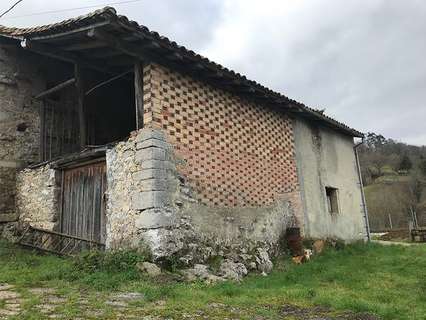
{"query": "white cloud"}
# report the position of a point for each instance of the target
(362, 60)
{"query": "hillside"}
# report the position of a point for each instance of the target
(394, 175)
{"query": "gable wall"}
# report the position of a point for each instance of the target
(327, 159)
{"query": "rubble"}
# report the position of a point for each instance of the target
(150, 268)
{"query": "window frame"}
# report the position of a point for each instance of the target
(332, 199)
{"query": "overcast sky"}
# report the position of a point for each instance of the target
(364, 61)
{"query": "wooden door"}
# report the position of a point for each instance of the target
(83, 205)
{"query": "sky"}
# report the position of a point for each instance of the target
(363, 61)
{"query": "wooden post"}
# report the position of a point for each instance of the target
(80, 97)
(42, 132)
(139, 94)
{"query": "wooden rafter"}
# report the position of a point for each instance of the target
(116, 43)
(56, 88)
(83, 46)
(139, 94)
(81, 112)
(55, 53)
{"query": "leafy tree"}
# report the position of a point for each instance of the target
(422, 167)
(405, 163)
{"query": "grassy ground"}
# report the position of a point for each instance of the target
(387, 281)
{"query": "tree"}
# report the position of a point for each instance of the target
(405, 163)
(422, 167)
(376, 161)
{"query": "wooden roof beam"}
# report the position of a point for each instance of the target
(56, 88)
(115, 43)
(65, 34)
(83, 46)
(54, 53)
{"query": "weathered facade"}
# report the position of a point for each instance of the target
(184, 158)
(19, 81)
(326, 159)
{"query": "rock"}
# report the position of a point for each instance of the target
(246, 257)
(117, 304)
(186, 260)
(264, 263)
(211, 279)
(8, 295)
(232, 270)
(318, 246)
(252, 266)
(42, 291)
(199, 271)
(127, 296)
(7, 313)
(56, 300)
(5, 287)
(150, 268)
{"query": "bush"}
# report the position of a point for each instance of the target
(112, 261)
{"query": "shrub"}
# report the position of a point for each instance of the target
(112, 261)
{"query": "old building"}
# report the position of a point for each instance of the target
(115, 134)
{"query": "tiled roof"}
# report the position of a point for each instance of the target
(109, 14)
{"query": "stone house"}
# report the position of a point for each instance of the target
(113, 133)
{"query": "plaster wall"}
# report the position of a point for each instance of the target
(326, 158)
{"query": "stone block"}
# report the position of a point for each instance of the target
(155, 164)
(150, 174)
(154, 218)
(146, 134)
(148, 199)
(152, 143)
(150, 154)
(153, 185)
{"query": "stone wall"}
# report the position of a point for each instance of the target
(211, 174)
(151, 204)
(19, 122)
(141, 188)
(326, 158)
(37, 197)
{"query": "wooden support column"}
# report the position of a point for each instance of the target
(80, 97)
(42, 132)
(139, 94)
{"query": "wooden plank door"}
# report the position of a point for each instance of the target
(83, 205)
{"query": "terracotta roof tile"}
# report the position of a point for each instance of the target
(109, 13)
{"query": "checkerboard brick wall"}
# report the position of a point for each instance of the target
(236, 152)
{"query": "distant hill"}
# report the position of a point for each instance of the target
(394, 176)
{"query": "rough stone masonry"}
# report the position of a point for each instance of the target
(19, 122)
(151, 204)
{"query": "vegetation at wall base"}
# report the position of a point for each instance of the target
(389, 281)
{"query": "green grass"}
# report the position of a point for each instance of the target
(389, 281)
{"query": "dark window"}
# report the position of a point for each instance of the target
(332, 200)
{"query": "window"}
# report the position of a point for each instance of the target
(332, 200)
